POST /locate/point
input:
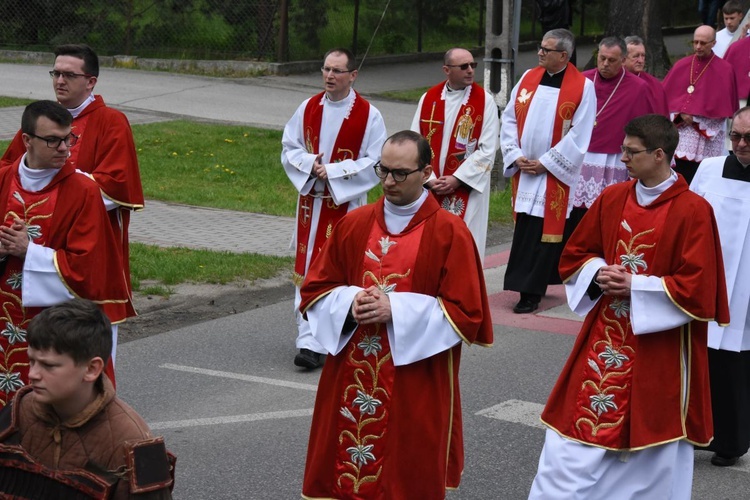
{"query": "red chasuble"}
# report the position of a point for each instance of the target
(106, 150)
(714, 92)
(738, 56)
(385, 431)
(67, 216)
(620, 391)
(571, 93)
(464, 137)
(346, 147)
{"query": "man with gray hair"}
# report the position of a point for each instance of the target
(635, 62)
(621, 96)
(546, 129)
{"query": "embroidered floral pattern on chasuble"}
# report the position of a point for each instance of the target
(369, 373)
(36, 210)
(602, 411)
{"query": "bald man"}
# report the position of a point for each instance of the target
(702, 94)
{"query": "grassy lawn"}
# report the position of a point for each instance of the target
(7, 102)
(411, 95)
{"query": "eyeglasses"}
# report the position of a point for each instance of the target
(546, 51)
(54, 142)
(735, 137)
(629, 153)
(398, 175)
(67, 75)
(464, 66)
(335, 71)
(701, 42)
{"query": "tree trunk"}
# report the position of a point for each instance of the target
(628, 17)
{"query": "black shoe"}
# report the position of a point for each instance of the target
(722, 461)
(308, 359)
(528, 303)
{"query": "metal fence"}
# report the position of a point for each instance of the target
(271, 30)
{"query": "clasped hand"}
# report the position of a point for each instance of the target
(14, 240)
(371, 306)
(533, 167)
(614, 280)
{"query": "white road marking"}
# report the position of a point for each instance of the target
(513, 410)
(241, 376)
(253, 417)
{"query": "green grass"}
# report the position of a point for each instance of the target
(411, 95)
(7, 102)
(172, 266)
(229, 167)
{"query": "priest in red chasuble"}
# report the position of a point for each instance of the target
(702, 94)
(645, 267)
(56, 242)
(393, 295)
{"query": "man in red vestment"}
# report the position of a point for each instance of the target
(56, 242)
(635, 62)
(645, 266)
(395, 291)
(702, 94)
(737, 57)
(105, 150)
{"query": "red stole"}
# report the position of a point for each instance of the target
(367, 373)
(464, 137)
(571, 93)
(346, 147)
(603, 404)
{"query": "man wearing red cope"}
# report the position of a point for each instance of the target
(55, 239)
(702, 94)
(395, 291)
(645, 266)
(105, 149)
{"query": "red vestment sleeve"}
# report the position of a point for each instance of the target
(15, 150)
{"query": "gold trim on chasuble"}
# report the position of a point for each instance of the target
(603, 400)
(369, 371)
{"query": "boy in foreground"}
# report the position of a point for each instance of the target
(67, 433)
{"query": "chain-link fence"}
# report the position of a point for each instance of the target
(272, 30)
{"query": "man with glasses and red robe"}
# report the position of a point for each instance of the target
(105, 150)
(461, 122)
(328, 150)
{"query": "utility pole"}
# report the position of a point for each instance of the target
(501, 47)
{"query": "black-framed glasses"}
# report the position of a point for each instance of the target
(629, 153)
(546, 51)
(54, 142)
(398, 175)
(68, 75)
(464, 66)
(335, 71)
(735, 137)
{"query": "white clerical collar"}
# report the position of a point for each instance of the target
(647, 195)
(556, 72)
(78, 110)
(397, 217)
(340, 102)
(35, 179)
